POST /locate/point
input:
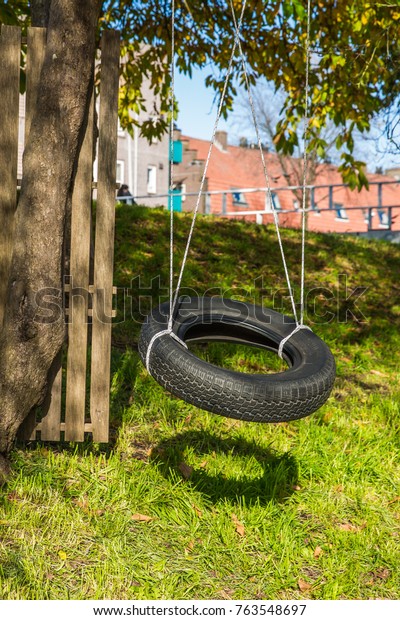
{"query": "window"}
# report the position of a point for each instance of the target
(383, 218)
(366, 214)
(120, 171)
(183, 190)
(275, 202)
(151, 179)
(340, 212)
(238, 197)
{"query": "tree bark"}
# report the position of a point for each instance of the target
(28, 345)
(40, 13)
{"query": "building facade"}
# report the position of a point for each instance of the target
(235, 186)
(142, 166)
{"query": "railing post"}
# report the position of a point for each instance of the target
(312, 198)
(224, 203)
(208, 204)
(331, 196)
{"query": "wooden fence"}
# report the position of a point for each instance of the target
(78, 399)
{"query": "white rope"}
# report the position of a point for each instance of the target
(171, 166)
(174, 298)
(299, 323)
(264, 165)
(284, 340)
(305, 164)
(165, 332)
(203, 178)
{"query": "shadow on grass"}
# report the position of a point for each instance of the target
(274, 479)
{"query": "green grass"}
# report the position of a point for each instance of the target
(309, 509)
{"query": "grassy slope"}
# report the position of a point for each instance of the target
(302, 510)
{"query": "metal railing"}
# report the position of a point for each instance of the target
(385, 212)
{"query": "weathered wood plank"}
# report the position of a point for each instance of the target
(10, 46)
(79, 292)
(104, 238)
(50, 424)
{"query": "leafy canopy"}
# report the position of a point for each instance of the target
(355, 60)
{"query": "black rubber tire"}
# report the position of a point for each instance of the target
(280, 397)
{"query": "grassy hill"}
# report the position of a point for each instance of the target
(184, 504)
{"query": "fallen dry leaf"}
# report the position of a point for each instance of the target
(239, 527)
(317, 552)
(226, 594)
(185, 470)
(303, 585)
(197, 510)
(382, 574)
(394, 500)
(347, 527)
(190, 546)
(139, 517)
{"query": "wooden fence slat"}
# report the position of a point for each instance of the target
(104, 237)
(50, 425)
(78, 299)
(10, 46)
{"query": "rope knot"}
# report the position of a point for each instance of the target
(164, 332)
(284, 340)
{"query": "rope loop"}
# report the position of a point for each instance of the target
(284, 340)
(165, 332)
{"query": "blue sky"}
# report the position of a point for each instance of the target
(196, 110)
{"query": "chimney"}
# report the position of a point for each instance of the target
(221, 139)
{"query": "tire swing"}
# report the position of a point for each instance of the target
(281, 397)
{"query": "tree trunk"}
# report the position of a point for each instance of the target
(40, 13)
(29, 344)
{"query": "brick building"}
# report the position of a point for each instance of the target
(235, 172)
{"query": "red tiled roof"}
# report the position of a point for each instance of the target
(238, 167)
